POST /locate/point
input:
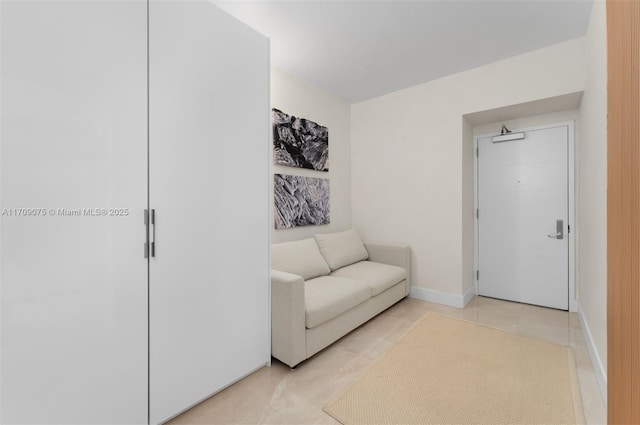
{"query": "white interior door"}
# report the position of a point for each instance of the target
(209, 129)
(523, 204)
(73, 143)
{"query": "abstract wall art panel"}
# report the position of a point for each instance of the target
(298, 142)
(300, 201)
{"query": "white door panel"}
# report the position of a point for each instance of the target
(209, 126)
(73, 288)
(522, 191)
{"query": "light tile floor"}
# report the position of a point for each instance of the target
(278, 395)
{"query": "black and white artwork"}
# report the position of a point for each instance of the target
(298, 142)
(300, 201)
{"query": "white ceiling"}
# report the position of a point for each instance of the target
(362, 49)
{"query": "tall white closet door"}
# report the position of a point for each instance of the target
(209, 126)
(73, 191)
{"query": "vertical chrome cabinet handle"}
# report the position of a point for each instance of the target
(153, 232)
(559, 230)
(146, 233)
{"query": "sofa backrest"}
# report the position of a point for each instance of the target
(301, 258)
(341, 249)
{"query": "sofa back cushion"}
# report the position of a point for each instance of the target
(341, 249)
(299, 257)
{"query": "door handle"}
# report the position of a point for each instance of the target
(559, 234)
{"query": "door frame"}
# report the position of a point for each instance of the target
(573, 304)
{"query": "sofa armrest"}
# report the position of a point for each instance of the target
(395, 255)
(288, 331)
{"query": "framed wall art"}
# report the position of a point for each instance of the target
(299, 142)
(300, 201)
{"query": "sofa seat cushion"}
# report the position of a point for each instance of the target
(327, 297)
(378, 276)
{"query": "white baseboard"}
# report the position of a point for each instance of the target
(439, 297)
(468, 296)
(598, 367)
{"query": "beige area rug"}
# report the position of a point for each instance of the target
(450, 371)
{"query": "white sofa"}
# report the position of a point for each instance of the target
(324, 287)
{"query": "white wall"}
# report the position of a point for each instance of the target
(410, 162)
(302, 100)
(592, 196)
(531, 121)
